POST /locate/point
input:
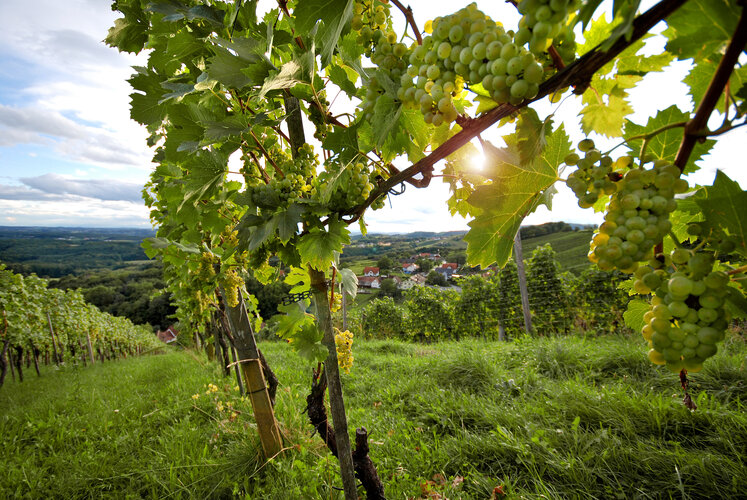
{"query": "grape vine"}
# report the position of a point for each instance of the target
(224, 82)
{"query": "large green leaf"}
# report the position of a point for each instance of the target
(700, 28)
(664, 146)
(334, 14)
(700, 77)
(349, 282)
(319, 247)
(724, 205)
(298, 70)
(287, 221)
(129, 33)
(517, 190)
(634, 315)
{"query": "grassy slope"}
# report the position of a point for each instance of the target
(555, 417)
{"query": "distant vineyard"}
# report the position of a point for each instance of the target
(46, 325)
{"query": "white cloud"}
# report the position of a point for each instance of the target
(83, 213)
(55, 187)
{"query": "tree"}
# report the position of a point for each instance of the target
(389, 287)
(385, 263)
(437, 279)
(223, 82)
(424, 265)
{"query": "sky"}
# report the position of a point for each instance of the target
(70, 155)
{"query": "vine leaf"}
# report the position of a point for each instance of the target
(700, 28)
(334, 14)
(318, 247)
(295, 71)
(298, 279)
(516, 191)
(340, 77)
(531, 134)
(723, 206)
(308, 343)
(634, 315)
(700, 77)
(129, 33)
(664, 146)
(349, 282)
(207, 170)
(287, 221)
(606, 100)
(291, 318)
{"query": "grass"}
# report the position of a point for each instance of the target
(542, 418)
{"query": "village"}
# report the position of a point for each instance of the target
(412, 273)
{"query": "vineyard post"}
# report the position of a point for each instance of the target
(90, 348)
(246, 347)
(519, 258)
(57, 357)
(234, 360)
(82, 352)
(332, 372)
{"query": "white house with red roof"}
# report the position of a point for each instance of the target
(370, 271)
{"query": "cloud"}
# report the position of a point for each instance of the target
(73, 140)
(90, 213)
(55, 187)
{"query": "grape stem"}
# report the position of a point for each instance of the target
(265, 177)
(699, 122)
(267, 155)
(407, 11)
(737, 270)
(727, 127)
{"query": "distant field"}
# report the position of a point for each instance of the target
(571, 248)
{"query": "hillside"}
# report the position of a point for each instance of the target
(53, 252)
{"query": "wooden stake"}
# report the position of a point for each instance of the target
(90, 349)
(57, 357)
(251, 369)
(332, 372)
(519, 258)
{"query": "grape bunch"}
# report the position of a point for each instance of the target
(687, 316)
(637, 217)
(391, 59)
(231, 283)
(467, 47)
(352, 184)
(335, 302)
(206, 267)
(344, 345)
(544, 20)
(369, 15)
(592, 178)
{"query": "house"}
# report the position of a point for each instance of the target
(167, 336)
(369, 281)
(447, 269)
(418, 279)
(409, 267)
(370, 271)
(405, 284)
